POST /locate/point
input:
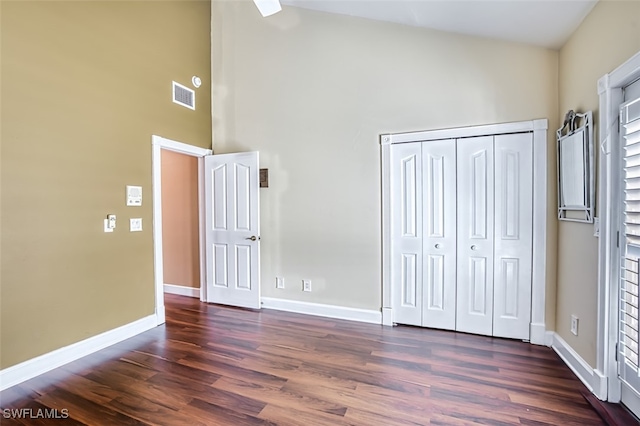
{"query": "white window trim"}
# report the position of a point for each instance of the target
(610, 92)
(539, 129)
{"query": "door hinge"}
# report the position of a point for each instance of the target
(618, 239)
(616, 352)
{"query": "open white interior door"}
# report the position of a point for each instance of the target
(232, 235)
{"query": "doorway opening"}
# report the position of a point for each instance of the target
(165, 146)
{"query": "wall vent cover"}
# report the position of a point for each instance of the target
(184, 96)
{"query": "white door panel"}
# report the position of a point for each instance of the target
(475, 221)
(406, 244)
(232, 229)
(513, 156)
(439, 237)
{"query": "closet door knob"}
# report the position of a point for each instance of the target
(437, 246)
(473, 247)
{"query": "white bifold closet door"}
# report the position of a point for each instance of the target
(462, 234)
(439, 234)
(406, 242)
(474, 313)
(495, 226)
(513, 235)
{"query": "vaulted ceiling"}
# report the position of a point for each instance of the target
(547, 23)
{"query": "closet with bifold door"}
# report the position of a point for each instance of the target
(461, 233)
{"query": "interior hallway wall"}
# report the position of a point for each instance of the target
(180, 219)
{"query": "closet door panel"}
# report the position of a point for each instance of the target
(439, 234)
(475, 235)
(407, 233)
(513, 235)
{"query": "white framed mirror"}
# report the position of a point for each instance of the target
(576, 168)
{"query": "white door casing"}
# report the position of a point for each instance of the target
(159, 143)
(232, 229)
(474, 311)
(439, 234)
(513, 160)
(611, 88)
(406, 245)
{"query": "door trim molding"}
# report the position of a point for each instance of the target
(609, 198)
(539, 271)
(158, 143)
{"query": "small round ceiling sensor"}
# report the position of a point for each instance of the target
(196, 81)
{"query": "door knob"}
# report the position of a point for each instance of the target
(437, 246)
(252, 238)
(473, 247)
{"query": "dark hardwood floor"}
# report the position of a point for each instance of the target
(213, 365)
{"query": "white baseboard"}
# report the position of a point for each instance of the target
(182, 290)
(592, 379)
(34, 367)
(318, 309)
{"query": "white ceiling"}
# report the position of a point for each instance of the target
(547, 23)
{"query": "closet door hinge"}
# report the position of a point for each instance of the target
(616, 351)
(618, 239)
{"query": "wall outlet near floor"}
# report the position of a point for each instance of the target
(306, 285)
(574, 325)
(279, 282)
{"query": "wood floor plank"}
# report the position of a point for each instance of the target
(281, 397)
(216, 365)
(215, 414)
(159, 364)
(291, 416)
(152, 412)
(85, 411)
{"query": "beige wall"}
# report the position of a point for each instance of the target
(608, 36)
(313, 92)
(180, 242)
(84, 86)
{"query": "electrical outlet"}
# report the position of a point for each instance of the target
(574, 325)
(279, 282)
(306, 285)
(135, 224)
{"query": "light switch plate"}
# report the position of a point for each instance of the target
(106, 226)
(135, 224)
(596, 227)
(111, 219)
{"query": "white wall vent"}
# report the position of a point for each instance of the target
(184, 96)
